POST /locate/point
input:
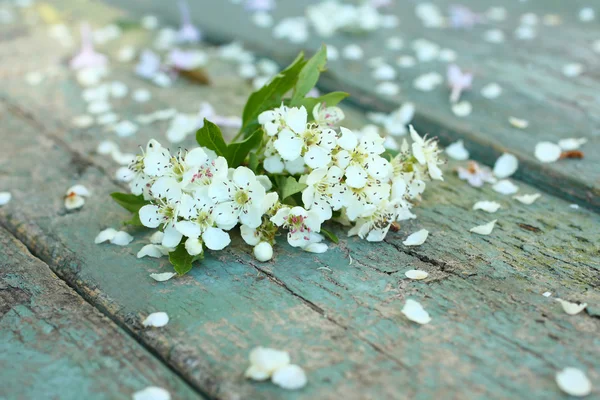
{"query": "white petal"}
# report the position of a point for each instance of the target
(216, 239)
(79, 190)
(416, 274)
(171, 237)
(5, 198)
(156, 319)
(462, 109)
(505, 187)
(484, 229)
(518, 122)
(256, 373)
(150, 250)
(162, 277)
(242, 176)
(457, 151)
(571, 143)
(317, 248)
(296, 118)
(527, 198)
(152, 393)
(356, 176)
(487, 206)
(414, 311)
(156, 237)
(263, 251)
(226, 215)
(149, 216)
(571, 308)
(74, 202)
(547, 152)
(348, 140)
(167, 188)
(417, 238)
(122, 239)
(269, 360)
(491, 91)
(107, 234)
(274, 164)
(290, 377)
(188, 228)
(506, 165)
(194, 246)
(573, 382)
(288, 145)
(250, 235)
(317, 157)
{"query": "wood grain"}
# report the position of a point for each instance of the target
(55, 345)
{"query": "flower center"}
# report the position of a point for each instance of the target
(241, 197)
(204, 219)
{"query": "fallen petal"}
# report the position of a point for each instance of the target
(457, 151)
(156, 319)
(547, 152)
(152, 393)
(162, 277)
(122, 238)
(484, 229)
(416, 274)
(506, 165)
(105, 235)
(573, 382)
(290, 377)
(505, 187)
(487, 206)
(417, 238)
(527, 198)
(414, 311)
(571, 308)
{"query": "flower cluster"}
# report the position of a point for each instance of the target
(344, 173)
(294, 170)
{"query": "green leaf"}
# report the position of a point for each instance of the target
(210, 136)
(253, 162)
(271, 95)
(330, 100)
(288, 186)
(181, 259)
(330, 235)
(237, 152)
(309, 75)
(134, 221)
(130, 202)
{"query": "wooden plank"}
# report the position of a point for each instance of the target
(55, 345)
(493, 334)
(529, 72)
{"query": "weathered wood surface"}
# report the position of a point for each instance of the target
(493, 334)
(530, 73)
(54, 345)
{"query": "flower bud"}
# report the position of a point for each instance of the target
(263, 251)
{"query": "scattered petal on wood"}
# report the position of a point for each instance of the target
(414, 311)
(5, 198)
(152, 393)
(518, 122)
(491, 91)
(572, 70)
(150, 250)
(571, 308)
(162, 277)
(571, 143)
(290, 377)
(505, 187)
(417, 238)
(416, 274)
(156, 320)
(457, 151)
(574, 382)
(547, 294)
(547, 152)
(105, 235)
(506, 165)
(484, 229)
(122, 238)
(527, 198)
(462, 109)
(487, 206)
